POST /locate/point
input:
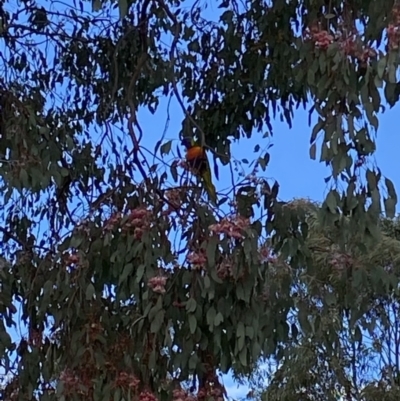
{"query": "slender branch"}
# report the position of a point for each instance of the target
(173, 18)
(23, 244)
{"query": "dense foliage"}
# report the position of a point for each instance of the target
(345, 333)
(131, 284)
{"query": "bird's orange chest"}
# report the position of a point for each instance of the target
(196, 158)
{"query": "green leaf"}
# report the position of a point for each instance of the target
(193, 361)
(263, 161)
(390, 207)
(5, 339)
(331, 201)
(358, 335)
(215, 277)
(128, 269)
(191, 305)
(165, 148)
(188, 32)
(371, 179)
(240, 291)
(123, 8)
(155, 309)
(310, 77)
(194, 46)
(240, 330)
(153, 359)
(76, 241)
(243, 356)
(392, 69)
(303, 319)
(23, 177)
(391, 93)
(64, 172)
(218, 319)
(117, 394)
(210, 317)
(174, 172)
(358, 276)
(240, 334)
(211, 250)
(381, 66)
(330, 299)
(97, 245)
(157, 321)
(250, 332)
(140, 272)
(316, 129)
(192, 323)
(313, 151)
(90, 291)
(256, 350)
(227, 17)
(391, 201)
(390, 188)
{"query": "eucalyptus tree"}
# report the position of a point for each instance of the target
(128, 281)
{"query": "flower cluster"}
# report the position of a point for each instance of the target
(321, 38)
(157, 284)
(353, 46)
(265, 255)
(174, 198)
(349, 42)
(213, 392)
(179, 394)
(70, 381)
(393, 29)
(83, 226)
(225, 269)
(232, 227)
(177, 304)
(71, 261)
(147, 396)
(119, 347)
(113, 221)
(266, 293)
(340, 261)
(126, 381)
(197, 260)
(393, 33)
(35, 338)
(93, 329)
(139, 220)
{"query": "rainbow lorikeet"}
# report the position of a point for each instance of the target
(198, 162)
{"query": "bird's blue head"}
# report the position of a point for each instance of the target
(187, 142)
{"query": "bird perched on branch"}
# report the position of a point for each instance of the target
(197, 160)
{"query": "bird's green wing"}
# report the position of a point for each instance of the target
(208, 184)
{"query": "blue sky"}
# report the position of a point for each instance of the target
(290, 164)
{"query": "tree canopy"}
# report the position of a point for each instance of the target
(344, 336)
(130, 282)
